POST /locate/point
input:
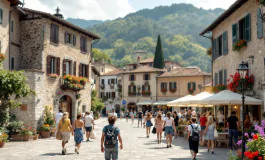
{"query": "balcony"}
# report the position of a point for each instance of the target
(102, 86)
(73, 83)
(131, 93)
(146, 93)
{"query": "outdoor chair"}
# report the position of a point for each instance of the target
(222, 139)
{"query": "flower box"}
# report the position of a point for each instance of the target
(173, 90)
(132, 93)
(146, 93)
(239, 44)
(54, 76)
(16, 137)
(2, 57)
(27, 137)
(102, 86)
(191, 90)
(164, 90)
(219, 88)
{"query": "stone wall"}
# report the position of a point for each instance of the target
(254, 48)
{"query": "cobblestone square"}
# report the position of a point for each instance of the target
(136, 147)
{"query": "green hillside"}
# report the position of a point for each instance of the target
(179, 26)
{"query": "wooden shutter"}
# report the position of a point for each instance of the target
(216, 79)
(161, 86)
(194, 85)
(225, 43)
(221, 77)
(217, 48)
(149, 77)
(81, 43)
(48, 65)
(65, 37)
(74, 40)
(142, 87)
(149, 89)
(134, 88)
(64, 67)
(58, 66)
(248, 28)
(175, 85)
(52, 33)
(166, 85)
(56, 34)
(1, 16)
(189, 86)
(129, 89)
(213, 48)
(234, 33)
(259, 24)
(80, 70)
(225, 77)
(108, 81)
(74, 68)
(87, 71)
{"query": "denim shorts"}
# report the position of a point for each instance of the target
(111, 153)
(169, 130)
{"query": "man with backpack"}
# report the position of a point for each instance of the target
(194, 135)
(110, 137)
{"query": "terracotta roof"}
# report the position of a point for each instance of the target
(144, 69)
(148, 60)
(63, 22)
(112, 73)
(223, 16)
(95, 70)
(182, 72)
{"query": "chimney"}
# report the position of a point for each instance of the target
(57, 14)
(139, 59)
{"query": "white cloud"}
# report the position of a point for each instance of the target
(84, 9)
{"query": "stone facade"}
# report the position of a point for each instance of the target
(255, 47)
(35, 47)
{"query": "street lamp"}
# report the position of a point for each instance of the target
(243, 70)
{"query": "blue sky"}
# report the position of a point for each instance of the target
(111, 9)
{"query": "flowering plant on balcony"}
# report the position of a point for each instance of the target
(83, 80)
(239, 44)
(191, 90)
(146, 93)
(173, 90)
(54, 75)
(76, 86)
(235, 79)
(164, 90)
(219, 87)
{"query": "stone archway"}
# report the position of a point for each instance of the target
(66, 104)
(74, 104)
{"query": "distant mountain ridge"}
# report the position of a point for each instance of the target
(179, 26)
(84, 23)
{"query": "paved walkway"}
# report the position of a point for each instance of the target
(136, 147)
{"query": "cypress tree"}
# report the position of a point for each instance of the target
(159, 55)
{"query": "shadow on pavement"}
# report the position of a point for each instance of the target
(158, 148)
(55, 154)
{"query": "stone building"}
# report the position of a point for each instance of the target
(49, 48)
(242, 21)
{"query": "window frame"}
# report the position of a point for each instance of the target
(53, 65)
(54, 38)
(83, 44)
(132, 79)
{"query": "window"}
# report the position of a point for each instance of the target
(54, 34)
(132, 77)
(83, 70)
(146, 88)
(221, 77)
(53, 65)
(1, 15)
(151, 64)
(113, 95)
(146, 77)
(220, 45)
(102, 81)
(192, 86)
(242, 30)
(69, 67)
(112, 81)
(12, 26)
(220, 48)
(12, 62)
(102, 70)
(101, 94)
(215, 79)
(83, 44)
(163, 86)
(173, 85)
(68, 38)
(134, 67)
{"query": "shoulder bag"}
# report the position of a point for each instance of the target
(215, 133)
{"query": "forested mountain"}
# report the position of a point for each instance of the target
(84, 23)
(179, 26)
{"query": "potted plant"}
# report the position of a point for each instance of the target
(173, 90)
(14, 128)
(53, 76)
(26, 132)
(2, 57)
(3, 138)
(35, 134)
(45, 131)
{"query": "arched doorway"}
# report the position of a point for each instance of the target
(65, 104)
(132, 106)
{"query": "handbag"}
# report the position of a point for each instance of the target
(215, 133)
(93, 134)
(164, 129)
(59, 135)
(154, 130)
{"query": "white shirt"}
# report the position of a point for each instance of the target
(194, 126)
(179, 115)
(169, 122)
(193, 113)
(58, 117)
(221, 118)
(91, 114)
(163, 116)
(113, 114)
(88, 121)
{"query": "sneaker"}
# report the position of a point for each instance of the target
(212, 152)
(167, 146)
(87, 140)
(63, 152)
(75, 149)
(170, 146)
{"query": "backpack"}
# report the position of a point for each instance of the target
(195, 134)
(110, 140)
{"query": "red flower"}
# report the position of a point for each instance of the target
(260, 158)
(255, 136)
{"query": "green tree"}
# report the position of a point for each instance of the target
(100, 56)
(13, 85)
(96, 104)
(159, 55)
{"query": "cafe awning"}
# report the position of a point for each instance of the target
(144, 103)
(229, 97)
(193, 101)
(161, 103)
(176, 102)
